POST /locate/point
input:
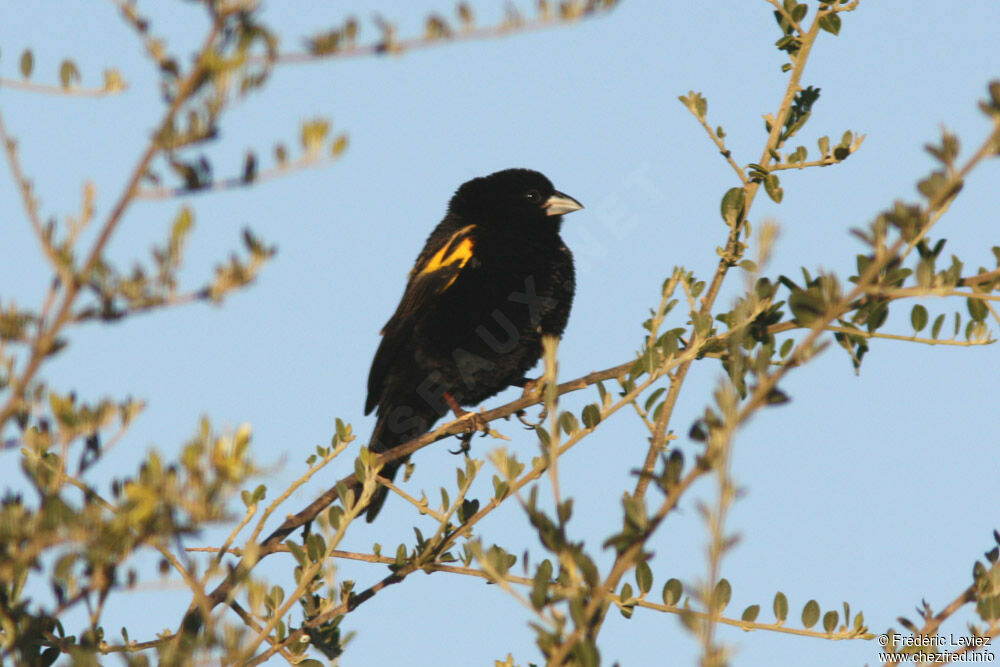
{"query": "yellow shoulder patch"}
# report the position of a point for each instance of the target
(457, 251)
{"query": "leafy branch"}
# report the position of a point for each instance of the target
(342, 41)
(984, 592)
(69, 80)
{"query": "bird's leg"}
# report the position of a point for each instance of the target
(455, 407)
(476, 423)
(532, 389)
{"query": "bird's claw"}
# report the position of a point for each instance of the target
(531, 426)
(465, 448)
(475, 424)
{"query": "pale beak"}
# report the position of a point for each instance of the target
(560, 203)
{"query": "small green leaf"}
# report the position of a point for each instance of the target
(69, 75)
(936, 327)
(750, 613)
(830, 620)
(702, 323)
(672, 592)
(777, 397)
(564, 510)
(721, 596)
(977, 309)
(591, 416)
(568, 422)
(925, 272)
(467, 510)
(824, 146)
(780, 607)
(918, 317)
(27, 63)
(652, 397)
(830, 22)
(806, 306)
(540, 584)
(773, 188)
(339, 144)
(298, 553)
(643, 577)
(810, 614)
(732, 206)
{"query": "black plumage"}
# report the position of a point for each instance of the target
(493, 278)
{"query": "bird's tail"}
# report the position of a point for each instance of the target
(387, 436)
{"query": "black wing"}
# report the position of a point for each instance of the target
(437, 267)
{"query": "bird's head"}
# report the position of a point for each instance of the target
(513, 197)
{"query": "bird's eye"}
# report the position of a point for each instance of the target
(534, 196)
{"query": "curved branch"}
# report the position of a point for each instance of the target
(273, 541)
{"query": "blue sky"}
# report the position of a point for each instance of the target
(877, 489)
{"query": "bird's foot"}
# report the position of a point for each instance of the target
(532, 387)
(533, 390)
(475, 424)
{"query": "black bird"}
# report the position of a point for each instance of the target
(493, 278)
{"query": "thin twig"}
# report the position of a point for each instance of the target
(45, 338)
(62, 91)
(726, 153)
(908, 339)
(390, 45)
(305, 162)
(824, 162)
